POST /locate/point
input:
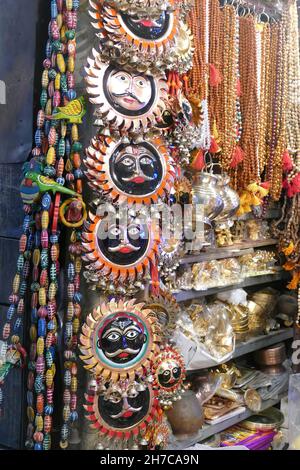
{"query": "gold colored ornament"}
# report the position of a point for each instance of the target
(169, 374)
(141, 41)
(167, 311)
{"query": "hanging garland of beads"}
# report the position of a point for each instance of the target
(249, 169)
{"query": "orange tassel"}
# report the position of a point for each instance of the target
(287, 162)
(214, 148)
(237, 157)
(198, 162)
(215, 77)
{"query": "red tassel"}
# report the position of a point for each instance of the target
(214, 148)
(215, 77)
(154, 280)
(198, 162)
(237, 157)
(238, 87)
(295, 185)
(287, 162)
(265, 185)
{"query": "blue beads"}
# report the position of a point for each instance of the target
(37, 238)
(73, 416)
(10, 312)
(53, 272)
(54, 11)
(20, 263)
(60, 180)
(78, 173)
(30, 241)
(42, 327)
(34, 315)
(68, 148)
(23, 288)
(46, 201)
(48, 49)
(43, 99)
(49, 358)
(29, 396)
(44, 259)
(48, 410)
(76, 4)
(18, 325)
(26, 223)
(38, 446)
(47, 127)
(77, 297)
(71, 94)
(49, 171)
(54, 238)
(38, 138)
(51, 325)
(71, 271)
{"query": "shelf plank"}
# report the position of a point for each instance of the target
(263, 341)
(248, 282)
(211, 429)
(238, 249)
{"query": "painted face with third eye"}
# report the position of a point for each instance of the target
(129, 92)
(122, 339)
(123, 244)
(136, 169)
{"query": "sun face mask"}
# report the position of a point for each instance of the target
(119, 340)
(128, 101)
(133, 172)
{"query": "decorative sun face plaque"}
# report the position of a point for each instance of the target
(139, 39)
(128, 101)
(119, 340)
(166, 310)
(122, 412)
(169, 373)
(122, 250)
(134, 172)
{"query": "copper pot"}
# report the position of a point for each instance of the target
(271, 356)
(186, 416)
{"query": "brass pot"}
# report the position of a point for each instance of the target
(186, 416)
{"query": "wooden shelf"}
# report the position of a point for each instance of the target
(211, 429)
(248, 282)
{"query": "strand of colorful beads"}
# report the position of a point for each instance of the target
(74, 177)
(17, 297)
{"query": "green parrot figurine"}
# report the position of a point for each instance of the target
(72, 112)
(46, 184)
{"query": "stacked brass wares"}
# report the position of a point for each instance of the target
(261, 304)
(270, 359)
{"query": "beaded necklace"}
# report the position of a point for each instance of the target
(57, 89)
(249, 170)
